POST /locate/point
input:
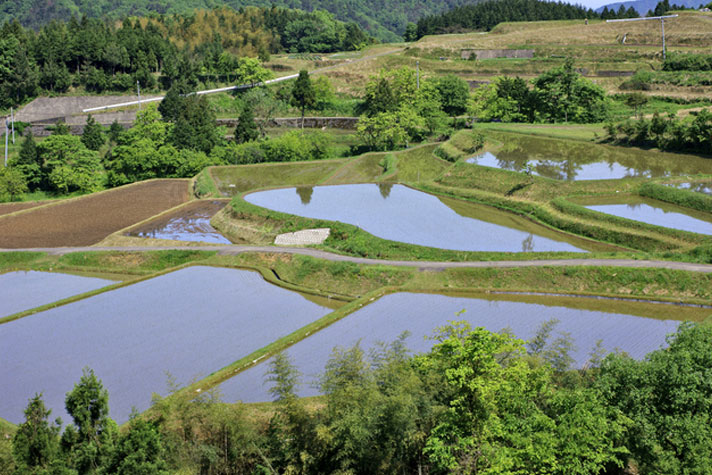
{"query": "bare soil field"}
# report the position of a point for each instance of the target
(87, 220)
(7, 208)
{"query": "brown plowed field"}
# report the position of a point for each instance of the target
(88, 220)
(7, 208)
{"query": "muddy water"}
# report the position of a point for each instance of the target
(23, 290)
(419, 314)
(190, 322)
(400, 213)
(653, 212)
(571, 160)
(189, 223)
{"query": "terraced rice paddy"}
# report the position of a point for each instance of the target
(24, 290)
(399, 213)
(420, 314)
(189, 223)
(655, 212)
(569, 160)
(189, 323)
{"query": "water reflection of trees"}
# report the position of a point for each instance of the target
(305, 194)
(385, 189)
(563, 160)
(528, 243)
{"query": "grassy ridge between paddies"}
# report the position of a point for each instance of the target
(357, 280)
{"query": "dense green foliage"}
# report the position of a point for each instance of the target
(486, 15)
(397, 112)
(384, 23)
(290, 147)
(477, 402)
(206, 46)
(558, 95)
(688, 62)
(690, 134)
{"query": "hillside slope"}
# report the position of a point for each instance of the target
(385, 20)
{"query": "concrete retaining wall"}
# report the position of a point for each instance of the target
(497, 53)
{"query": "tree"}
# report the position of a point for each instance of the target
(138, 451)
(636, 100)
(36, 442)
(195, 126)
(115, 131)
(67, 165)
(303, 95)
(12, 183)
(388, 130)
(668, 399)
(411, 32)
(28, 161)
(454, 94)
(90, 441)
(173, 102)
(246, 129)
(93, 134)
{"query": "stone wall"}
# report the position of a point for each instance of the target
(497, 53)
(44, 129)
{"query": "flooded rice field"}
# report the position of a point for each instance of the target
(705, 188)
(419, 314)
(570, 160)
(653, 212)
(400, 213)
(189, 323)
(189, 223)
(24, 290)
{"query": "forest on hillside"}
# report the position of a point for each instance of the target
(486, 15)
(384, 21)
(220, 45)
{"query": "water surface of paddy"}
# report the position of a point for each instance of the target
(419, 314)
(190, 323)
(189, 223)
(705, 188)
(654, 212)
(23, 290)
(399, 213)
(572, 160)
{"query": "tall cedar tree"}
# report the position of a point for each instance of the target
(246, 129)
(93, 135)
(303, 95)
(36, 442)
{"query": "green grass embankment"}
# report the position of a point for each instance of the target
(260, 224)
(685, 198)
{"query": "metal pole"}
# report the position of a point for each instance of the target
(417, 74)
(6, 137)
(662, 27)
(138, 88)
(12, 113)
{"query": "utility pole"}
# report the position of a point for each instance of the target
(662, 26)
(138, 89)
(7, 134)
(12, 114)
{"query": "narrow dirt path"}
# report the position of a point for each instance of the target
(422, 265)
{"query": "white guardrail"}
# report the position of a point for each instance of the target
(198, 93)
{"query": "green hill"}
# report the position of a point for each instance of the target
(384, 20)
